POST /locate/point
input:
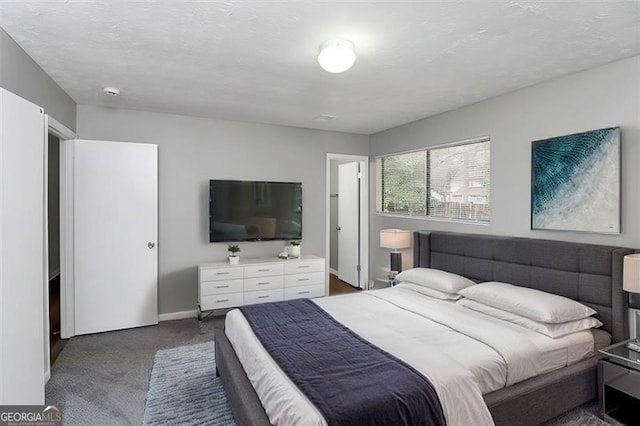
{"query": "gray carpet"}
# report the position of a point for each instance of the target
(184, 389)
(102, 379)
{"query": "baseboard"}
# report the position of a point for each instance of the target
(178, 315)
(333, 271)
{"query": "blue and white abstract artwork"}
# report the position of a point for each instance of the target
(575, 182)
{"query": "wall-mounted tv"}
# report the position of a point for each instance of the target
(254, 211)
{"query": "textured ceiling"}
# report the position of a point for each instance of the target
(256, 60)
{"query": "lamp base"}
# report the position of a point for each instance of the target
(396, 262)
(634, 344)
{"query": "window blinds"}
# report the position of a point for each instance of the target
(447, 182)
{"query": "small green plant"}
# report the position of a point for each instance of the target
(294, 243)
(233, 249)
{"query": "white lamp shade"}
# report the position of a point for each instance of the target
(336, 55)
(631, 273)
(395, 239)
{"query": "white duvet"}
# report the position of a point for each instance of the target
(464, 353)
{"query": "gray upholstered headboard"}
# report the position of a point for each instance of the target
(590, 274)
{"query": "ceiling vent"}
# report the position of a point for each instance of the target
(111, 91)
(324, 117)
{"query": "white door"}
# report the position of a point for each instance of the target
(115, 235)
(348, 223)
(22, 262)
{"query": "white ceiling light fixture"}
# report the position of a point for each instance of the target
(336, 55)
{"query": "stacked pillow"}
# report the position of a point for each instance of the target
(434, 282)
(546, 313)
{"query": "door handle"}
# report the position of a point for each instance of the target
(151, 244)
(338, 228)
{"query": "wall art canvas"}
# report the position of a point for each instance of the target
(575, 182)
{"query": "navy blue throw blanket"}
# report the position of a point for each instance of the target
(349, 380)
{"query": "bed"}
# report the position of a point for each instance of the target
(587, 273)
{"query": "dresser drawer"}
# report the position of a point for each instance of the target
(218, 274)
(308, 291)
(220, 287)
(304, 279)
(263, 270)
(299, 266)
(263, 296)
(219, 301)
(263, 283)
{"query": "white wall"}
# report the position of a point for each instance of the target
(602, 97)
(20, 75)
(192, 151)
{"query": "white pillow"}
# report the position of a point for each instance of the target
(429, 291)
(527, 302)
(435, 279)
(548, 329)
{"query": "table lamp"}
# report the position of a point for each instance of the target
(631, 283)
(395, 239)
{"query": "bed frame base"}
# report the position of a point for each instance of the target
(542, 398)
(531, 402)
(244, 402)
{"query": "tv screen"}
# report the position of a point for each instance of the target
(254, 211)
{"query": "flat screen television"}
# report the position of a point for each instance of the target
(254, 211)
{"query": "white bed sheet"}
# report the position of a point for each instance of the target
(464, 353)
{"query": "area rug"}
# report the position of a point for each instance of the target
(586, 415)
(184, 389)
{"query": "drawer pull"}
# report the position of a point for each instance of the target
(263, 297)
(265, 283)
(222, 273)
(264, 270)
(222, 286)
(304, 292)
(304, 266)
(222, 300)
(303, 279)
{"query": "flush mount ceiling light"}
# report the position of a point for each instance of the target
(336, 55)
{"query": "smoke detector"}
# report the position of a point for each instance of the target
(111, 91)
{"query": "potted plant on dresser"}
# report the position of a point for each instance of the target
(294, 248)
(234, 256)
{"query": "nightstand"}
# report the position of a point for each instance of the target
(619, 384)
(383, 283)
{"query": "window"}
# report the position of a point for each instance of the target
(448, 182)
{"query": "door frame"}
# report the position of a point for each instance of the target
(364, 215)
(64, 134)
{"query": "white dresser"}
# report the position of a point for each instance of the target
(222, 285)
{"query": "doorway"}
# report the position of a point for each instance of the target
(108, 216)
(54, 256)
(56, 344)
(347, 222)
